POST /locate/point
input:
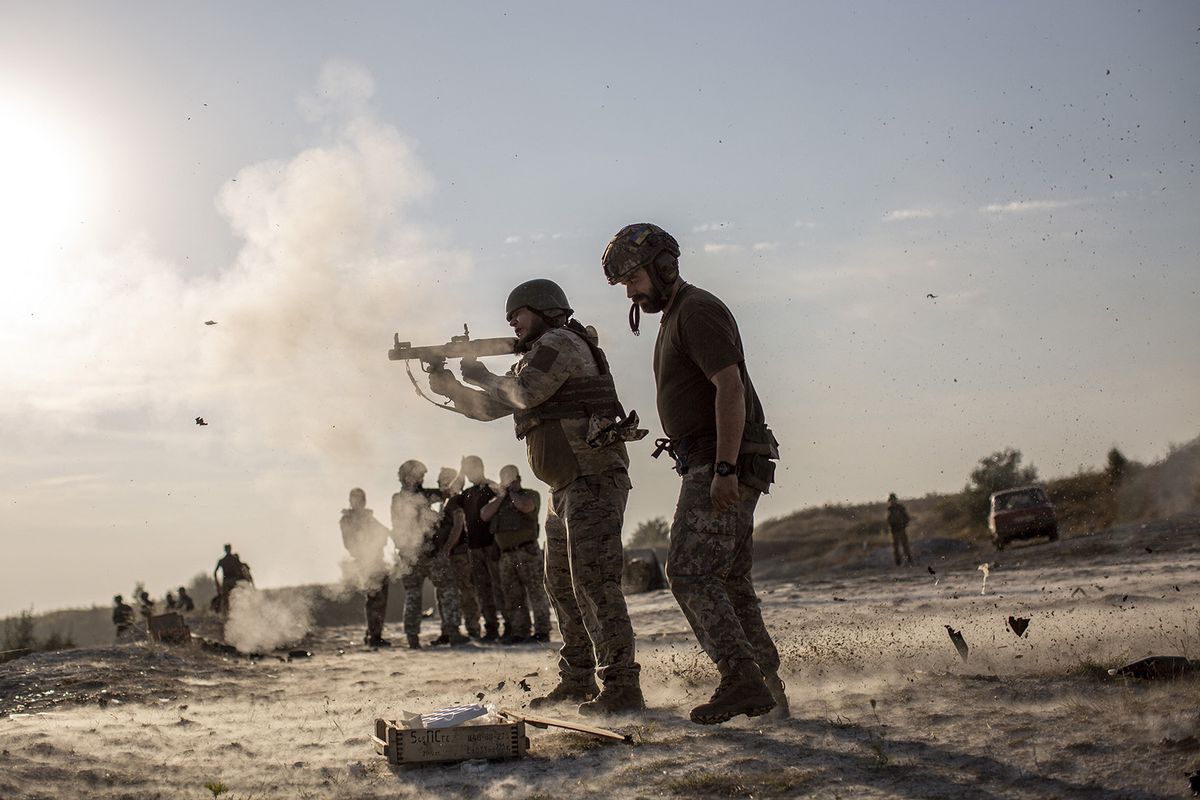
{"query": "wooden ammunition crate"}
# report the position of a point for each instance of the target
(407, 746)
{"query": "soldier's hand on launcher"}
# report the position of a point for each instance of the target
(442, 382)
(473, 370)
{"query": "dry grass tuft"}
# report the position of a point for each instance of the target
(781, 782)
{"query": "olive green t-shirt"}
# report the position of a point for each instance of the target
(697, 338)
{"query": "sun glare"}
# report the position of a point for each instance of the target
(41, 186)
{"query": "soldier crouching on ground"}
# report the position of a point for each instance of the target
(416, 530)
(365, 539)
(186, 603)
(122, 617)
(513, 515)
(723, 449)
(558, 393)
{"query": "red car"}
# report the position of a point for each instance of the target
(1021, 514)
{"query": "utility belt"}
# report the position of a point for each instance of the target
(756, 456)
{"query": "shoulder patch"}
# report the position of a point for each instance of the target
(543, 360)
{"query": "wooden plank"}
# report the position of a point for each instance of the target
(543, 722)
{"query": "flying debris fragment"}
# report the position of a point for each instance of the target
(210, 322)
(524, 684)
(931, 296)
(1018, 625)
(984, 569)
(960, 644)
(932, 571)
(200, 421)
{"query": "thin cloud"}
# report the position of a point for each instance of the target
(1024, 206)
(903, 214)
(765, 247)
(712, 226)
(714, 247)
(512, 239)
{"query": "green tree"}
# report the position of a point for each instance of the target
(651, 533)
(999, 471)
(18, 632)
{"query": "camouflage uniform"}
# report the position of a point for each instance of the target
(428, 561)
(589, 487)
(522, 575)
(460, 565)
(708, 566)
(437, 569)
(364, 538)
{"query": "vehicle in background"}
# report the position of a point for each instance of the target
(1021, 514)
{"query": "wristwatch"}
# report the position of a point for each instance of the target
(724, 468)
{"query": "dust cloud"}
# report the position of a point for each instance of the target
(259, 622)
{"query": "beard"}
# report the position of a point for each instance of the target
(651, 304)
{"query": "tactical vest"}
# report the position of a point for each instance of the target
(512, 527)
(579, 397)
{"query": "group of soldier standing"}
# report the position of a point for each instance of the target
(565, 407)
(477, 545)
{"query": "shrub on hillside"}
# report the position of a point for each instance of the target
(999, 471)
(651, 533)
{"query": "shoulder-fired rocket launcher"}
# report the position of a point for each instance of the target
(434, 356)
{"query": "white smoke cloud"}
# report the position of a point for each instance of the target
(259, 623)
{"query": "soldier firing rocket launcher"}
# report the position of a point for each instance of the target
(433, 357)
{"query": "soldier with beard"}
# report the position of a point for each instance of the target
(564, 405)
(717, 433)
(365, 538)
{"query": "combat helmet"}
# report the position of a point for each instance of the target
(412, 472)
(642, 244)
(541, 295)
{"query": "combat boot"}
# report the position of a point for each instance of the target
(567, 692)
(489, 634)
(777, 688)
(742, 691)
(414, 642)
(615, 700)
(378, 641)
(451, 638)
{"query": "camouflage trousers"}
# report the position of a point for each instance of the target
(900, 540)
(460, 565)
(524, 580)
(583, 577)
(485, 574)
(437, 569)
(708, 567)
(375, 608)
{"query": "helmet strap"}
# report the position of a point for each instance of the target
(635, 318)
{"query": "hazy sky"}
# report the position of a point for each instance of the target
(316, 177)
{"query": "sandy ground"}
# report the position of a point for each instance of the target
(883, 707)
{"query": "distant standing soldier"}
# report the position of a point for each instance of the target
(186, 603)
(481, 545)
(717, 433)
(411, 511)
(145, 605)
(122, 617)
(365, 538)
(513, 516)
(897, 520)
(564, 405)
(170, 601)
(233, 572)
